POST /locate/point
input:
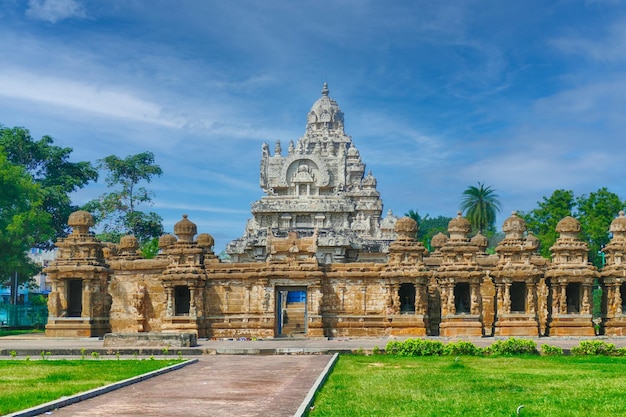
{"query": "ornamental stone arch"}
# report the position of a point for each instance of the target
(292, 161)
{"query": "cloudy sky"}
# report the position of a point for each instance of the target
(525, 96)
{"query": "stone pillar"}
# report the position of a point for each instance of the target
(193, 312)
(531, 289)
(474, 299)
(86, 298)
(170, 302)
(506, 302)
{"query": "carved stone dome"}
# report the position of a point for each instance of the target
(438, 240)
(618, 225)
(369, 181)
(459, 226)
(80, 221)
(406, 228)
(568, 227)
(325, 113)
(185, 229)
(205, 240)
(532, 241)
(481, 241)
(514, 227)
(129, 243)
(166, 240)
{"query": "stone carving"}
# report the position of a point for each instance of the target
(318, 252)
(322, 177)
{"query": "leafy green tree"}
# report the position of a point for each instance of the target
(595, 213)
(117, 210)
(23, 221)
(51, 170)
(542, 221)
(480, 205)
(428, 227)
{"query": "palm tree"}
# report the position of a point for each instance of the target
(480, 205)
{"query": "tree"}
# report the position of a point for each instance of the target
(595, 213)
(542, 221)
(50, 168)
(117, 210)
(23, 221)
(428, 227)
(480, 205)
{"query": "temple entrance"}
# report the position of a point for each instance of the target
(182, 299)
(573, 297)
(462, 300)
(406, 294)
(518, 297)
(622, 291)
(291, 311)
(74, 297)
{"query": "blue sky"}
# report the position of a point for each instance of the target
(525, 96)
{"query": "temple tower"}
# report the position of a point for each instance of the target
(571, 280)
(319, 184)
(406, 277)
(79, 304)
(459, 278)
(516, 279)
(614, 279)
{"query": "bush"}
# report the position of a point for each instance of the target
(548, 350)
(415, 347)
(594, 347)
(462, 348)
(512, 346)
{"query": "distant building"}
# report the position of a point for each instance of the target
(39, 283)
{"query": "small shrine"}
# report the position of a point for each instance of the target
(570, 278)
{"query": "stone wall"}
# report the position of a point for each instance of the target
(456, 290)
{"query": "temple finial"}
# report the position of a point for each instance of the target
(325, 89)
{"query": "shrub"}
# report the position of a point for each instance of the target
(392, 347)
(512, 346)
(548, 350)
(415, 347)
(376, 350)
(594, 347)
(462, 348)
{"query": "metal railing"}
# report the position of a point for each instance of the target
(18, 316)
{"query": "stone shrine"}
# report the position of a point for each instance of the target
(318, 185)
(317, 260)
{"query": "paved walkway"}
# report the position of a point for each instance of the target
(232, 377)
(216, 386)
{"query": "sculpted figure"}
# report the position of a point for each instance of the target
(618, 301)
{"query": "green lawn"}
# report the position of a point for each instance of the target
(24, 384)
(474, 386)
(5, 332)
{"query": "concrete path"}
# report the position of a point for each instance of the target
(215, 386)
(232, 377)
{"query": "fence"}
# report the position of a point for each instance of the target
(15, 316)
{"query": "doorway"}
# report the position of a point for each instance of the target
(291, 311)
(182, 299)
(75, 298)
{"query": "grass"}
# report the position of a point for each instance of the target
(6, 332)
(25, 384)
(473, 386)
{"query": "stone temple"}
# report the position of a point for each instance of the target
(317, 260)
(319, 187)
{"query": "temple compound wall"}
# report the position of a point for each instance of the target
(457, 290)
(318, 259)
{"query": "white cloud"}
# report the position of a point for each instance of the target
(55, 10)
(609, 48)
(102, 100)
